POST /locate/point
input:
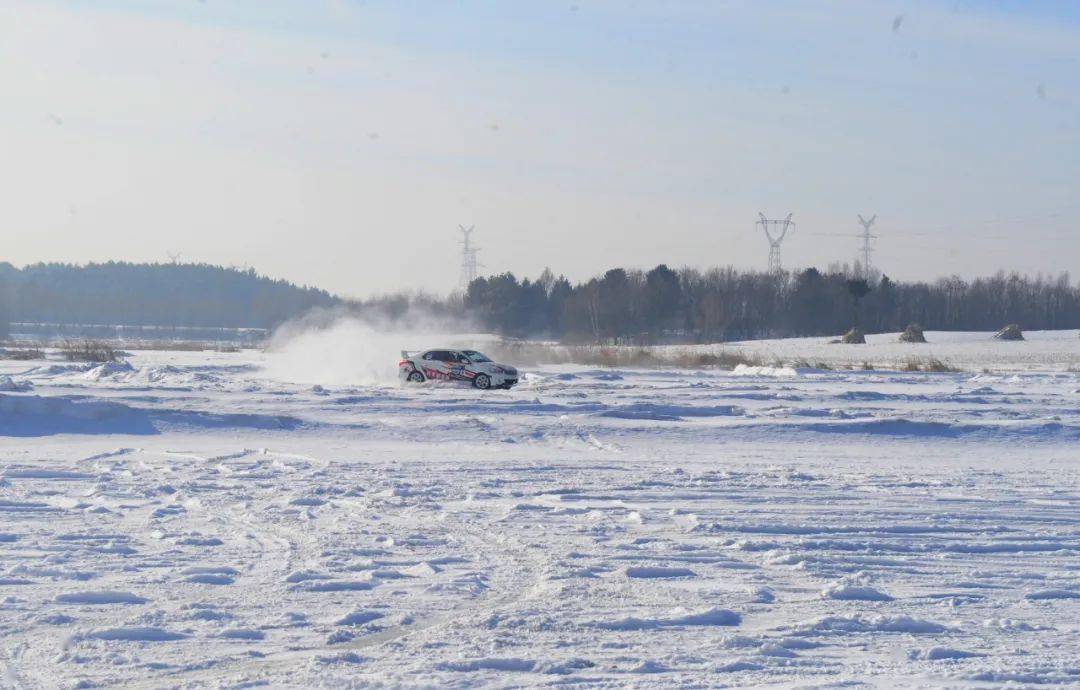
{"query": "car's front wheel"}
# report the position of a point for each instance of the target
(482, 381)
(415, 377)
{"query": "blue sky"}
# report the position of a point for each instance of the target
(340, 143)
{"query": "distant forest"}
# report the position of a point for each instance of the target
(620, 306)
(129, 294)
(665, 305)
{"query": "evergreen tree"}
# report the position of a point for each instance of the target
(664, 303)
(858, 288)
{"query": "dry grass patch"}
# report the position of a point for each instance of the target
(21, 354)
(181, 346)
(803, 363)
(929, 365)
(534, 354)
(89, 351)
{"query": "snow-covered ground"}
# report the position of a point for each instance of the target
(1042, 350)
(193, 521)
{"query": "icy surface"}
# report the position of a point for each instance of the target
(188, 521)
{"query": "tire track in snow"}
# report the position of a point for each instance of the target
(524, 559)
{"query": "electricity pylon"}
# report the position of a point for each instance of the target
(866, 238)
(469, 264)
(775, 238)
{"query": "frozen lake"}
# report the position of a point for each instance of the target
(194, 521)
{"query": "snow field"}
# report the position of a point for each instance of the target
(192, 523)
(970, 351)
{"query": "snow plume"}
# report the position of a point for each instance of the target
(334, 347)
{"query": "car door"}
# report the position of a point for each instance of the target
(458, 366)
(434, 364)
(448, 362)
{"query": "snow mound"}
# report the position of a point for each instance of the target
(859, 624)
(847, 592)
(608, 376)
(210, 579)
(492, 664)
(713, 616)
(776, 651)
(210, 575)
(172, 376)
(243, 634)
(35, 415)
(649, 572)
(310, 501)
(305, 575)
(762, 595)
(338, 659)
(736, 666)
(339, 586)
(359, 617)
(100, 597)
(108, 370)
(136, 634)
(941, 653)
(59, 369)
(1044, 594)
(9, 385)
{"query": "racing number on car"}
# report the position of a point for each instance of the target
(460, 372)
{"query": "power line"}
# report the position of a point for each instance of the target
(974, 225)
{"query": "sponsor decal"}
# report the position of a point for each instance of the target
(459, 373)
(463, 374)
(436, 374)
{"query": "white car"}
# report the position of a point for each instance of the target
(448, 364)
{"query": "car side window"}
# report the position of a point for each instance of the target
(430, 355)
(459, 358)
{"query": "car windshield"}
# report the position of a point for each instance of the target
(475, 356)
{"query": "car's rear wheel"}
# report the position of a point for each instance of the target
(415, 377)
(482, 381)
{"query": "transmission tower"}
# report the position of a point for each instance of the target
(866, 239)
(469, 264)
(775, 232)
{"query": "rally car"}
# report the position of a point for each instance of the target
(447, 364)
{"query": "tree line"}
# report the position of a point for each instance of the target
(142, 294)
(690, 305)
(619, 306)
